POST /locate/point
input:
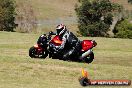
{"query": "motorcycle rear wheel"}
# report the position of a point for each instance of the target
(89, 58)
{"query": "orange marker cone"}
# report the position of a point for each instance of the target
(84, 73)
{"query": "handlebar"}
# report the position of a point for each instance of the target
(52, 33)
(49, 35)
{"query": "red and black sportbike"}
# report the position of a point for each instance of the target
(49, 47)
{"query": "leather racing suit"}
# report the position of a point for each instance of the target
(70, 44)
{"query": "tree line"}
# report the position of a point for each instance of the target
(17, 16)
(7, 15)
(94, 18)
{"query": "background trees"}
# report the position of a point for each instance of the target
(7, 15)
(123, 29)
(130, 1)
(95, 16)
(20, 12)
(26, 17)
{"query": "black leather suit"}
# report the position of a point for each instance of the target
(70, 44)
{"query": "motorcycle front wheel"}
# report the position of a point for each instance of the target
(33, 53)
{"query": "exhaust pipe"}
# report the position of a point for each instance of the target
(85, 54)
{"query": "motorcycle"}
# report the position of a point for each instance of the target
(49, 47)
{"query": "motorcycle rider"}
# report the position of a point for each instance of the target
(69, 47)
(70, 43)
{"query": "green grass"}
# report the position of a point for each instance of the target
(113, 60)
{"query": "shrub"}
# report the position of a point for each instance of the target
(123, 29)
(130, 1)
(7, 15)
(95, 17)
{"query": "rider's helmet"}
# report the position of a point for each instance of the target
(60, 29)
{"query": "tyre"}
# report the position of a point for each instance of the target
(84, 81)
(44, 54)
(33, 53)
(90, 58)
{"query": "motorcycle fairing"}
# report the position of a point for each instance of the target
(86, 45)
(36, 46)
(56, 41)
